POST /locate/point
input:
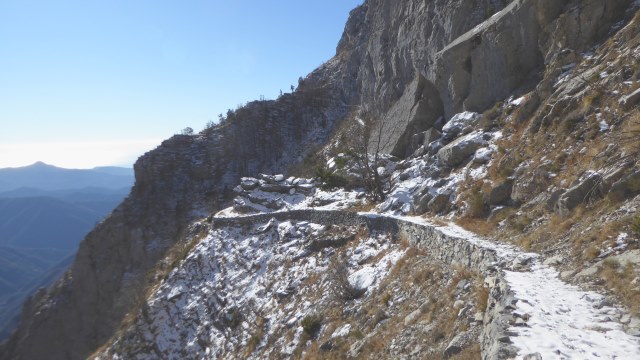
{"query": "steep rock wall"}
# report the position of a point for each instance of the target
(510, 50)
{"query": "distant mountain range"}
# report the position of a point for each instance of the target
(48, 177)
(45, 212)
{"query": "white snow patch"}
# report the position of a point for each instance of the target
(518, 101)
(342, 331)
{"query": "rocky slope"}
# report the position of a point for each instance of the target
(410, 66)
(305, 283)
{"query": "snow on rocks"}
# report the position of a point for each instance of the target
(458, 123)
(454, 153)
(272, 193)
(342, 331)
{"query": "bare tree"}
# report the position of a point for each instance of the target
(339, 286)
(367, 152)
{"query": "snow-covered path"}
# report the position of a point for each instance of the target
(558, 320)
(565, 322)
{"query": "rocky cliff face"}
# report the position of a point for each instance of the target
(405, 63)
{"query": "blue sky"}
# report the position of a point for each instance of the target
(91, 83)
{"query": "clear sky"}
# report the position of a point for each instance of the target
(87, 83)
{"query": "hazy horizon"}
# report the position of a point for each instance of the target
(68, 168)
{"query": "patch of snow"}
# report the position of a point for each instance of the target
(518, 101)
(341, 331)
(459, 121)
(621, 241)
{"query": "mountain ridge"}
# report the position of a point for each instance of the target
(49, 177)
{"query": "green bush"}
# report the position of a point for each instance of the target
(311, 324)
(341, 162)
(329, 179)
(635, 225)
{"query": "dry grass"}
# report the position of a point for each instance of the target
(256, 336)
(478, 226)
(591, 253)
(619, 278)
(471, 353)
(365, 206)
(436, 221)
(482, 296)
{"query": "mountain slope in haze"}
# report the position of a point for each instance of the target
(38, 240)
(43, 218)
(48, 177)
(43, 273)
(43, 222)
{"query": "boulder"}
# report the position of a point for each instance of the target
(412, 317)
(555, 260)
(458, 123)
(419, 152)
(305, 188)
(456, 152)
(249, 183)
(459, 342)
(482, 155)
(243, 206)
(420, 141)
(532, 356)
(500, 194)
(278, 188)
(612, 177)
(421, 202)
(633, 327)
(440, 203)
(626, 187)
(585, 190)
(270, 202)
(528, 185)
(629, 101)
(553, 199)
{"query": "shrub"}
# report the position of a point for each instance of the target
(610, 263)
(477, 208)
(311, 324)
(635, 225)
(341, 288)
(329, 179)
(591, 253)
(341, 162)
